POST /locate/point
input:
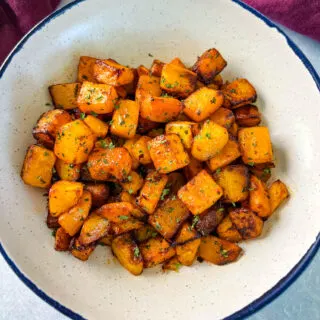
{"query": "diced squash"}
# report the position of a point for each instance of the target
(228, 154)
(62, 240)
(193, 168)
(112, 73)
(48, 126)
(116, 212)
(37, 166)
(151, 191)
(97, 98)
(259, 201)
(234, 130)
(223, 117)
(121, 92)
(186, 233)
(178, 62)
(226, 230)
(133, 183)
(156, 68)
(136, 212)
(67, 171)
(210, 140)
(177, 80)
(99, 193)
(142, 70)
(175, 181)
(109, 164)
(144, 233)
(82, 252)
(126, 226)
(64, 96)
(167, 153)
(52, 222)
(234, 181)
(85, 69)
(247, 116)
(218, 251)
(71, 221)
(148, 86)
(168, 217)
(155, 251)
(74, 142)
(247, 223)
(97, 126)
(187, 252)
(173, 264)
(140, 150)
(125, 119)
(209, 64)
(255, 145)
(128, 253)
(63, 195)
(200, 193)
(202, 103)
(183, 129)
(129, 145)
(278, 192)
(209, 220)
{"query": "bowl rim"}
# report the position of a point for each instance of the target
(257, 304)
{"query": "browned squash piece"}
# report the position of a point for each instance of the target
(63, 195)
(142, 70)
(99, 192)
(37, 166)
(67, 171)
(126, 226)
(228, 154)
(247, 223)
(108, 164)
(146, 125)
(168, 217)
(234, 181)
(223, 117)
(132, 86)
(74, 142)
(129, 145)
(128, 253)
(202, 103)
(97, 98)
(187, 252)
(278, 192)
(183, 129)
(200, 193)
(85, 69)
(144, 233)
(140, 150)
(255, 145)
(127, 197)
(186, 233)
(125, 119)
(177, 61)
(133, 183)
(262, 174)
(94, 228)
(167, 153)
(71, 221)
(52, 222)
(106, 240)
(226, 230)
(210, 140)
(238, 93)
(209, 220)
(209, 65)
(193, 168)
(48, 126)
(151, 191)
(177, 80)
(259, 201)
(148, 86)
(82, 252)
(62, 240)
(218, 251)
(112, 73)
(173, 264)
(121, 91)
(156, 68)
(155, 251)
(97, 126)
(234, 130)
(64, 96)
(247, 116)
(116, 212)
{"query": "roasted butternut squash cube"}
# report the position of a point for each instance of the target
(177, 61)
(112, 73)
(99, 192)
(187, 252)
(72, 220)
(247, 223)
(255, 145)
(202, 103)
(74, 142)
(173, 264)
(97, 98)
(109, 164)
(62, 240)
(210, 140)
(151, 191)
(177, 80)
(97, 126)
(209, 220)
(234, 181)
(193, 168)
(160, 109)
(226, 230)
(155, 251)
(85, 69)
(209, 64)
(259, 201)
(67, 171)
(121, 92)
(247, 116)
(142, 70)
(82, 252)
(140, 150)
(148, 86)
(228, 154)
(278, 192)
(129, 145)
(186, 233)
(127, 197)
(168, 217)
(126, 226)
(218, 251)
(133, 183)
(128, 253)
(200, 193)
(144, 233)
(116, 212)
(64, 96)
(48, 126)
(52, 222)
(156, 68)
(37, 166)
(223, 117)
(183, 129)
(167, 153)
(125, 119)
(238, 93)
(63, 195)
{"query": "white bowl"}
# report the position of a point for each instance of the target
(288, 97)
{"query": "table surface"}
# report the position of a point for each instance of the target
(300, 301)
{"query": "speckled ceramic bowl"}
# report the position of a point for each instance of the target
(288, 97)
